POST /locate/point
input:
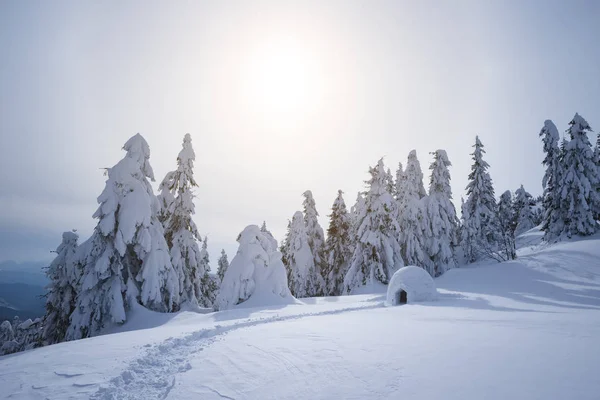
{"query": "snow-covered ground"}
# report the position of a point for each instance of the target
(527, 329)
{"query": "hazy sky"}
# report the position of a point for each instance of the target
(279, 97)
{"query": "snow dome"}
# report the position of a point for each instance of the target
(409, 285)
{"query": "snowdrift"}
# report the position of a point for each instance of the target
(410, 284)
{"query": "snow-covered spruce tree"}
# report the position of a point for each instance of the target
(177, 207)
(8, 344)
(338, 247)
(316, 239)
(412, 217)
(523, 212)
(377, 253)
(355, 212)
(597, 162)
(284, 248)
(552, 221)
(255, 273)
(223, 264)
(63, 274)
(400, 183)
(506, 225)
(208, 286)
(441, 216)
(126, 260)
(301, 271)
(578, 195)
(479, 230)
(391, 185)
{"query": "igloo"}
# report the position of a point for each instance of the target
(409, 285)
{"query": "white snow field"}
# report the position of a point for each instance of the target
(528, 329)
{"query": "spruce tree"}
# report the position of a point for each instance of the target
(338, 247)
(442, 219)
(223, 264)
(479, 230)
(301, 271)
(63, 274)
(522, 211)
(181, 233)
(506, 224)
(399, 188)
(580, 179)
(552, 221)
(207, 287)
(597, 162)
(316, 239)
(126, 260)
(377, 253)
(412, 217)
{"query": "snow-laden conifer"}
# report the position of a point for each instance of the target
(207, 286)
(441, 216)
(578, 195)
(377, 252)
(301, 271)
(181, 233)
(223, 264)
(338, 247)
(255, 273)
(126, 260)
(316, 238)
(63, 274)
(479, 230)
(506, 228)
(412, 217)
(552, 221)
(523, 211)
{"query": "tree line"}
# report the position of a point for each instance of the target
(146, 251)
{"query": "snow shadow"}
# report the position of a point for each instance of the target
(518, 282)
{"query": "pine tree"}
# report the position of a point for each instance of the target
(552, 221)
(442, 219)
(391, 186)
(126, 260)
(597, 162)
(338, 247)
(223, 264)
(400, 184)
(506, 225)
(255, 269)
(479, 230)
(412, 217)
(207, 287)
(63, 274)
(579, 181)
(522, 211)
(284, 248)
(181, 233)
(301, 271)
(316, 239)
(377, 253)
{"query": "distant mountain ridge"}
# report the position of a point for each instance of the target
(22, 286)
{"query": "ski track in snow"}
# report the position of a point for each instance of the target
(153, 375)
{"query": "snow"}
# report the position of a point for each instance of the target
(524, 329)
(415, 281)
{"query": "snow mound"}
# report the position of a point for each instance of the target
(256, 273)
(415, 281)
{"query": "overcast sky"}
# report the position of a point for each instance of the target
(279, 97)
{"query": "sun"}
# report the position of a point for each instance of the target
(284, 77)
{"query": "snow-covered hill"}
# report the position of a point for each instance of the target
(527, 329)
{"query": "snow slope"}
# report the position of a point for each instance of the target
(526, 329)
